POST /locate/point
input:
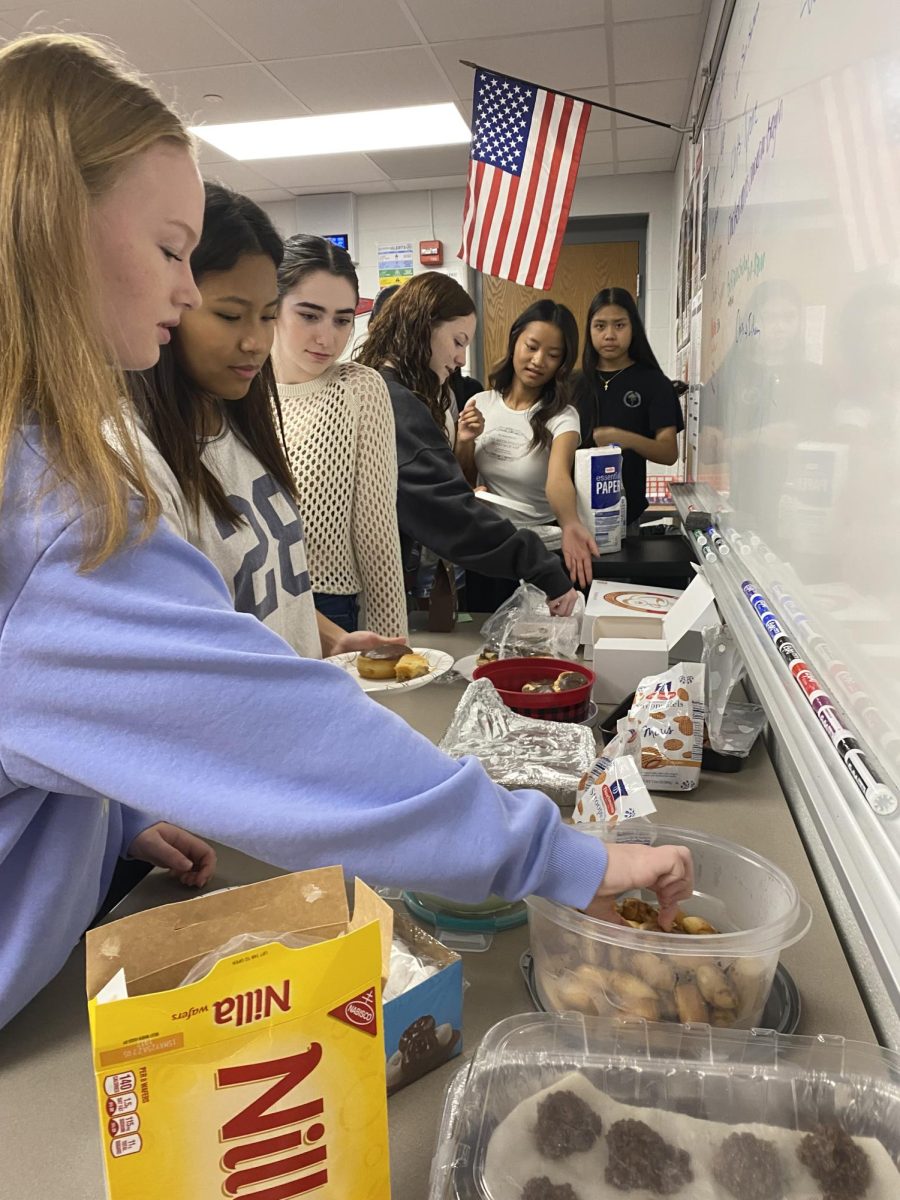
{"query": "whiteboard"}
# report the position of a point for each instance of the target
(800, 349)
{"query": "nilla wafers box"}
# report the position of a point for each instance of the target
(265, 1078)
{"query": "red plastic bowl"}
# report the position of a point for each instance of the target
(508, 674)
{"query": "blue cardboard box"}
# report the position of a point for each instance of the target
(423, 1027)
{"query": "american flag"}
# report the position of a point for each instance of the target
(862, 113)
(526, 146)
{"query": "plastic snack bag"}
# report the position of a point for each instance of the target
(522, 627)
(613, 789)
(670, 713)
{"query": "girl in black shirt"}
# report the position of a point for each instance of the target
(623, 397)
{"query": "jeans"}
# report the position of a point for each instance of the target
(343, 610)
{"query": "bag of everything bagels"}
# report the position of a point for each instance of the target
(670, 712)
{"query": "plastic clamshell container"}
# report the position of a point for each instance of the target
(585, 965)
(726, 1077)
(508, 674)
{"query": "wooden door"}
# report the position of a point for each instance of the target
(583, 269)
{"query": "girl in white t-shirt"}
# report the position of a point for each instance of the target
(531, 432)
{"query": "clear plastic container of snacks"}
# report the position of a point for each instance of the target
(565, 1105)
(724, 978)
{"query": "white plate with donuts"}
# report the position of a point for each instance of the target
(438, 664)
(466, 666)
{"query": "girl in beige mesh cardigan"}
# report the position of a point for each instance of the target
(339, 433)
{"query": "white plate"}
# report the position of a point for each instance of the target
(437, 660)
(466, 666)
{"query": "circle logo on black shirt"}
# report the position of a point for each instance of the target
(632, 399)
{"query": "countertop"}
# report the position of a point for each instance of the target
(49, 1139)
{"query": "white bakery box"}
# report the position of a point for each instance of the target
(630, 632)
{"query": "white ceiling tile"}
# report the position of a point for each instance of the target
(439, 182)
(590, 170)
(600, 119)
(598, 148)
(274, 29)
(443, 22)
(358, 82)
(569, 60)
(666, 100)
(357, 189)
(238, 176)
(165, 35)
(327, 170)
(270, 195)
(648, 10)
(208, 156)
(647, 166)
(248, 94)
(665, 49)
(423, 162)
(646, 141)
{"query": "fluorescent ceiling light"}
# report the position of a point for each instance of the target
(340, 133)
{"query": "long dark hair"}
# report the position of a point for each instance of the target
(305, 253)
(555, 395)
(639, 350)
(169, 402)
(401, 335)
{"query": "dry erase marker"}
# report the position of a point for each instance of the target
(761, 548)
(737, 541)
(718, 541)
(857, 698)
(704, 547)
(880, 798)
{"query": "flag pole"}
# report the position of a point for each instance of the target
(623, 112)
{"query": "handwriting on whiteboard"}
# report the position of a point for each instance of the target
(745, 326)
(745, 46)
(767, 146)
(806, 7)
(745, 134)
(749, 266)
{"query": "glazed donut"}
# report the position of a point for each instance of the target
(380, 662)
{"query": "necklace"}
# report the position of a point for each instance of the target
(607, 382)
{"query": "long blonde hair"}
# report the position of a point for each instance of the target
(71, 118)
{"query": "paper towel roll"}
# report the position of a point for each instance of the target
(601, 497)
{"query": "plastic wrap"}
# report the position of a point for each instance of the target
(693, 1084)
(519, 752)
(242, 942)
(408, 970)
(724, 671)
(522, 627)
(740, 726)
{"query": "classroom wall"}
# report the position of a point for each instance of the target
(418, 216)
(680, 177)
(625, 195)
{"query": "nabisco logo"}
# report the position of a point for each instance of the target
(278, 1152)
(360, 1014)
(256, 1005)
(608, 799)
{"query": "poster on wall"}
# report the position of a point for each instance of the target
(684, 271)
(704, 221)
(696, 215)
(692, 398)
(395, 264)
